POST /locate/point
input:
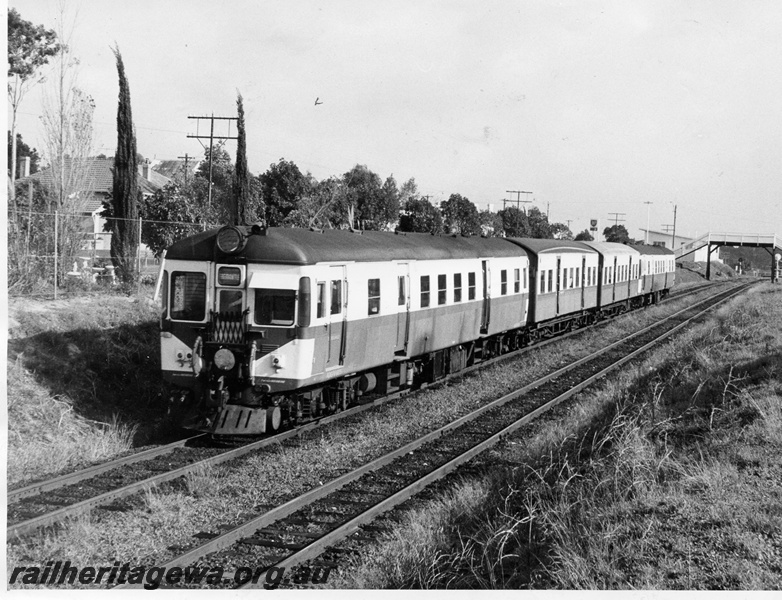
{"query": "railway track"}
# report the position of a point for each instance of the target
(307, 527)
(52, 501)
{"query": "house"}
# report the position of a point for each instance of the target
(98, 180)
(659, 238)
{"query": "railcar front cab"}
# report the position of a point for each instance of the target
(230, 334)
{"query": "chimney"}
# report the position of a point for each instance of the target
(24, 167)
(145, 169)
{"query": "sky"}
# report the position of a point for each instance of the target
(596, 107)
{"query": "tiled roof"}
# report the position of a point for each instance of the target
(172, 168)
(100, 177)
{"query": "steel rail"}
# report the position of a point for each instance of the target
(316, 547)
(84, 506)
(70, 478)
(234, 534)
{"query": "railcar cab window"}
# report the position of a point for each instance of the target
(373, 295)
(188, 296)
(275, 307)
(230, 301)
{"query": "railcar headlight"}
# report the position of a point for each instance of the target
(225, 359)
(277, 362)
(230, 240)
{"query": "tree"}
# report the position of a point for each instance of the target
(514, 222)
(460, 216)
(283, 188)
(421, 216)
(617, 233)
(125, 196)
(170, 215)
(560, 231)
(367, 203)
(585, 236)
(22, 151)
(240, 206)
(491, 224)
(29, 48)
(539, 227)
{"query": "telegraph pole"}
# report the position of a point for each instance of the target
(673, 237)
(186, 158)
(518, 199)
(646, 237)
(616, 217)
(211, 137)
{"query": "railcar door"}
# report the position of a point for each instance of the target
(486, 317)
(403, 306)
(583, 280)
(337, 325)
(559, 280)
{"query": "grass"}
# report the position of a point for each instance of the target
(167, 517)
(79, 384)
(667, 478)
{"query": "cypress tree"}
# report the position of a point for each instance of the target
(125, 196)
(241, 197)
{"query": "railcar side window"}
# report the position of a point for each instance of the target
(457, 287)
(503, 282)
(188, 296)
(550, 279)
(516, 280)
(578, 278)
(402, 299)
(441, 288)
(471, 286)
(164, 296)
(274, 307)
(321, 299)
(336, 297)
(373, 293)
(525, 278)
(424, 291)
(542, 282)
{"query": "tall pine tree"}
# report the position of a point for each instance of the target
(125, 197)
(240, 207)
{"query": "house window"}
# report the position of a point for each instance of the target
(503, 282)
(457, 287)
(424, 291)
(441, 288)
(471, 286)
(373, 293)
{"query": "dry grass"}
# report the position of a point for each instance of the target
(667, 478)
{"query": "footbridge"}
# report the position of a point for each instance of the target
(772, 243)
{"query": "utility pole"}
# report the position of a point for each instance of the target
(646, 237)
(211, 137)
(186, 158)
(616, 217)
(569, 221)
(673, 237)
(518, 199)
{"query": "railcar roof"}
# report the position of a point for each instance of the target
(543, 246)
(612, 248)
(303, 246)
(644, 249)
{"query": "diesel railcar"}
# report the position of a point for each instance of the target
(266, 326)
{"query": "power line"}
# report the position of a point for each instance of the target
(211, 137)
(518, 199)
(616, 217)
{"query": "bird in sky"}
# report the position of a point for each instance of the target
(317, 101)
